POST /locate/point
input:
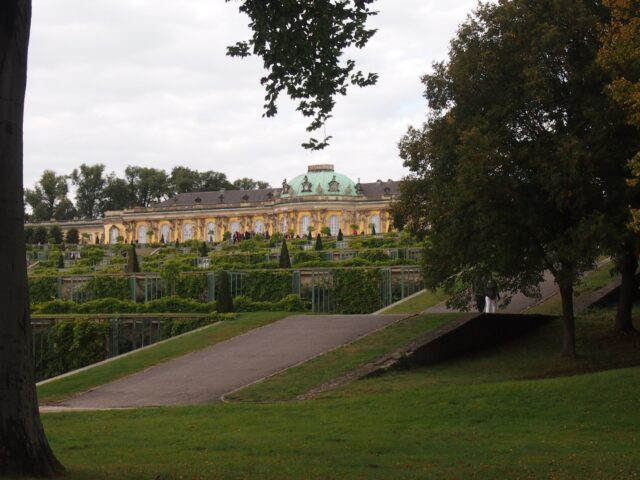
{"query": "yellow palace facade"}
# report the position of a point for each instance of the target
(318, 199)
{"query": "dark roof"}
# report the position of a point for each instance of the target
(374, 189)
(213, 198)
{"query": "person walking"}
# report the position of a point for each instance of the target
(491, 297)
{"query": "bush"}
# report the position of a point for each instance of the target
(356, 291)
(55, 234)
(318, 246)
(73, 236)
(290, 303)
(42, 289)
(192, 286)
(40, 235)
(268, 286)
(29, 233)
(177, 305)
(101, 286)
(284, 259)
(223, 293)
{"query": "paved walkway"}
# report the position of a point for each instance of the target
(205, 376)
(519, 303)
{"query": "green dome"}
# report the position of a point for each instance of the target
(319, 180)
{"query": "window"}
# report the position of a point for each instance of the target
(187, 232)
(234, 227)
(305, 223)
(375, 221)
(211, 232)
(142, 234)
(114, 233)
(334, 224)
(283, 226)
(258, 226)
(165, 233)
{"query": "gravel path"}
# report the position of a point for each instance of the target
(205, 376)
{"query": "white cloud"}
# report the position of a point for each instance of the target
(147, 82)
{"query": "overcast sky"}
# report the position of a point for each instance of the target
(147, 82)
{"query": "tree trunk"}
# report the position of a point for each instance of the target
(24, 450)
(628, 264)
(569, 323)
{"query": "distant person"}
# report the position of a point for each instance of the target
(491, 297)
(480, 302)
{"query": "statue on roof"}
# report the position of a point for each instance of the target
(334, 186)
(285, 187)
(306, 185)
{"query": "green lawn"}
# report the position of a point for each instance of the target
(578, 427)
(516, 411)
(419, 303)
(55, 391)
(301, 378)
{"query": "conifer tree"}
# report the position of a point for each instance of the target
(132, 260)
(224, 301)
(285, 260)
(340, 235)
(318, 242)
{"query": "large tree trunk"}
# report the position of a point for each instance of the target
(628, 264)
(24, 450)
(569, 322)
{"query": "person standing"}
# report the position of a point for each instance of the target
(491, 297)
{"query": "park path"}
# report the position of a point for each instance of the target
(206, 375)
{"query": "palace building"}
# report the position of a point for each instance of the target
(319, 198)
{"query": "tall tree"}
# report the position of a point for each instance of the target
(211, 181)
(89, 182)
(620, 54)
(24, 449)
(520, 153)
(249, 184)
(184, 180)
(116, 194)
(147, 185)
(50, 190)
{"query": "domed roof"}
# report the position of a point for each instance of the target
(319, 180)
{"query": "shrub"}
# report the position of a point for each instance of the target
(318, 246)
(101, 286)
(29, 233)
(284, 259)
(55, 234)
(40, 235)
(73, 236)
(356, 291)
(203, 250)
(223, 293)
(272, 286)
(192, 286)
(43, 289)
(132, 260)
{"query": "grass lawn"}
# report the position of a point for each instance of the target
(419, 303)
(516, 411)
(301, 378)
(55, 391)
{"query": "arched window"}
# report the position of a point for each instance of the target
(375, 221)
(114, 233)
(234, 227)
(187, 232)
(334, 224)
(258, 226)
(305, 223)
(211, 232)
(283, 225)
(165, 233)
(142, 234)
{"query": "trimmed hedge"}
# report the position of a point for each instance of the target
(268, 286)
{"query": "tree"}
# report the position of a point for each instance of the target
(340, 235)
(89, 182)
(620, 55)
(318, 245)
(203, 250)
(44, 199)
(61, 261)
(40, 236)
(25, 450)
(55, 234)
(184, 180)
(73, 236)
(300, 43)
(249, 184)
(64, 210)
(224, 300)
(147, 185)
(211, 181)
(132, 260)
(520, 154)
(284, 261)
(373, 228)
(29, 235)
(116, 194)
